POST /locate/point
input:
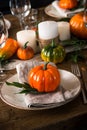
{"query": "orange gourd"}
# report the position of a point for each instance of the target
(9, 49)
(67, 4)
(44, 78)
(77, 26)
(25, 52)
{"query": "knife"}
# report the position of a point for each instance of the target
(84, 76)
(71, 13)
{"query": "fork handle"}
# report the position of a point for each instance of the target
(85, 84)
(83, 93)
(84, 96)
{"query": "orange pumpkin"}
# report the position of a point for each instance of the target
(67, 4)
(25, 53)
(77, 26)
(44, 78)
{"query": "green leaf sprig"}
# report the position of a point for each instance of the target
(75, 56)
(26, 88)
(75, 42)
(5, 62)
(78, 45)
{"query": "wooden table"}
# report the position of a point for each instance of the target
(67, 117)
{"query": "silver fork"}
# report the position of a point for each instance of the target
(75, 70)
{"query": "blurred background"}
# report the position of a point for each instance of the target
(4, 4)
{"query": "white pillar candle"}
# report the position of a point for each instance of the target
(47, 30)
(27, 35)
(63, 30)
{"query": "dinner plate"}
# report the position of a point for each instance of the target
(9, 94)
(51, 11)
(13, 62)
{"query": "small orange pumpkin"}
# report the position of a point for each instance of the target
(25, 53)
(77, 26)
(67, 4)
(44, 78)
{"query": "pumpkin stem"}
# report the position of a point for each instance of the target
(45, 66)
(53, 43)
(25, 45)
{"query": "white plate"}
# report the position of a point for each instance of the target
(8, 23)
(8, 93)
(12, 63)
(51, 11)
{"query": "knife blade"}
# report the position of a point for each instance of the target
(71, 13)
(84, 77)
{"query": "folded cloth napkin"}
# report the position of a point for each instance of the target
(53, 97)
(48, 98)
(64, 12)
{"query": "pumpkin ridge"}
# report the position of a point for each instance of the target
(31, 74)
(48, 86)
(39, 80)
(35, 70)
(58, 76)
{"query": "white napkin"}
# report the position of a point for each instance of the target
(53, 97)
(64, 12)
(48, 98)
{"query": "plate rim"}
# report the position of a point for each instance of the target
(41, 108)
(46, 11)
(7, 21)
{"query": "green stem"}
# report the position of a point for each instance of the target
(25, 45)
(53, 44)
(45, 66)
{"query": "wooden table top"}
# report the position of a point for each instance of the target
(66, 116)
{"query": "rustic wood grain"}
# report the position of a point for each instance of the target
(61, 118)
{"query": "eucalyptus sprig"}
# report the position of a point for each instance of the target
(5, 62)
(79, 45)
(75, 56)
(26, 88)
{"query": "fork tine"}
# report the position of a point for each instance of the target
(75, 69)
